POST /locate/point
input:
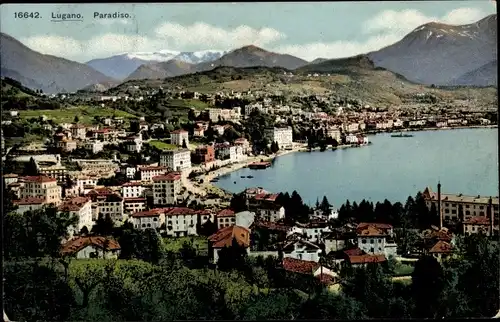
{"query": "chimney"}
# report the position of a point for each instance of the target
(491, 213)
(440, 213)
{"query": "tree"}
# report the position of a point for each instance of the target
(238, 202)
(232, 257)
(191, 115)
(30, 168)
(325, 205)
(103, 226)
(76, 119)
(427, 285)
(184, 145)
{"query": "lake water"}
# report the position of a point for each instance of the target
(464, 160)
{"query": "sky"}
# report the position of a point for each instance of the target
(306, 30)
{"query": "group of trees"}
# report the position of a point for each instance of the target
(414, 213)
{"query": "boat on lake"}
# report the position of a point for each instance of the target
(249, 177)
(401, 135)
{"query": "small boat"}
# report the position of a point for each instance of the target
(242, 177)
(249, 177)
(235, 182)
(401, 135)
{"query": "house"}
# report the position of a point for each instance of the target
(106, 202)
(250, 193)
(94, 146)
(9, 178)
(243, 143)
(270, 212)
(182, 221)
(358, 258)
(261, 199)
(302, 249)
(134, 204)
(81, 207)
(167, 189)
(91, 247)
(128, 170)
(153, 218)
(203, 154)
(148, 172)
(29, 204)
(313, 230)
(78, 131)
(134, 143)
(179, 137)
(479, 225)
(225, 218)
(374, 239)
(338, 240)
(133, 189)
(41, 187)
(199, 132)
(441, 250)
(66, 145)
(224, 238)
(219, 129)
(305, 267)
(176, 160)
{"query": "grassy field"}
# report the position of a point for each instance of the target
(175, 244)
(403, 269)
(189, 103)
(162, 145)
(85, 114)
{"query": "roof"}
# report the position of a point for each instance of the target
(430, 195)
(39, 179)
(256, 191)
(76, 244)
(441, 247)
(309, 245)
(366, 258)
(299, 266)
(10, 175)
(354, 252)
(374, 224)
(152, 168)
(178, 132)
(270, 225)
(226, 213)
(73, 204)
(172, 176)
(29, 201)
(224, 237)
(148, 213)
(326, 279)
(132, 184)
(267, 196)
(371, 231)
(478, 220)
(134, 199)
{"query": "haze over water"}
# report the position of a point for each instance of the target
(464, 160)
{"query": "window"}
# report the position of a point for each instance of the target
(372, 241)
(380, 241)
(453, 211)
(447, 211)
(372, 250)
(481, 207)
(155, 219)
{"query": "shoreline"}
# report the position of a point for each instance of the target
(225, 170)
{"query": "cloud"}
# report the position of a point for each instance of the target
(109, 22)
(385, 28)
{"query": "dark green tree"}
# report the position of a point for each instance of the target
(427, 285)
(184, 145)
(104, 225)
(232, 257)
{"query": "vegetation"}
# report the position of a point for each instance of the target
(161, 145)
(86, 114)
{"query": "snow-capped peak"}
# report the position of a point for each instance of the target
(188, 57)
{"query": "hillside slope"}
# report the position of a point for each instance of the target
(46, 72)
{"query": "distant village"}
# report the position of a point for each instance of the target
(172, 192)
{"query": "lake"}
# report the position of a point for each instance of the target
(464, 160)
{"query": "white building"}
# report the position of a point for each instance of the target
(28, 204)
(105, 202)
(132, 189)
(147, 173)
(167, 189)
(270, 212)
(94, 146)
(133, 205)
(91, 247)
(81, 207)
(148, 219)
(282, 136)
(376, 239)
(134, 144)
(178, 137)
(182, 221)
(176, 160)
(303, 250)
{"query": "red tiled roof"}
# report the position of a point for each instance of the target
(367, 258)
(226, 213)
(39, 179)
(29, 201)
(172, 176)
(478, 220)
(267, 196)
(152, 168)
(354, 252)
(299, 266)
(178, 131)
(224, 237)
(441, 247)
(362, 225)
(371, 231)
(326, 279)
(73, 204)
(76, 244)
(148, 213)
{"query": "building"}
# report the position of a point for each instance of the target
(303, 250)
(134, 144)
(181, 221)
(41, 187)
(375, 239)
(334, 133)
(441, 250)
(10, 178)
(458, 207)
(91, 247)
(225, 218)
(148, 172)
(245, 219)
(105, 202)
(224, 238)
(132, 189)
(282, 136)
(271, 212)
(153, 218)
(311, 268)
(178, 137)
(78, 131)
(133, 205)
(203, 154)
(479, 225)
(176, 160)
(167, 189)
(56, 171)
(94, 146)
(28, 204)
(66, 145)
(359, 258)
(81, 207)
(244, 144)
(199, 132)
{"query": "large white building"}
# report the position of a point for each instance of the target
(132, 189)
(176, 160)
(167, 189)
(376, 239)
(41, 187)
(178, 137)
(147, 173)
(81, 207)
(280, 135)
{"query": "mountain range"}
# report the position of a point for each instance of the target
(433, 53)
